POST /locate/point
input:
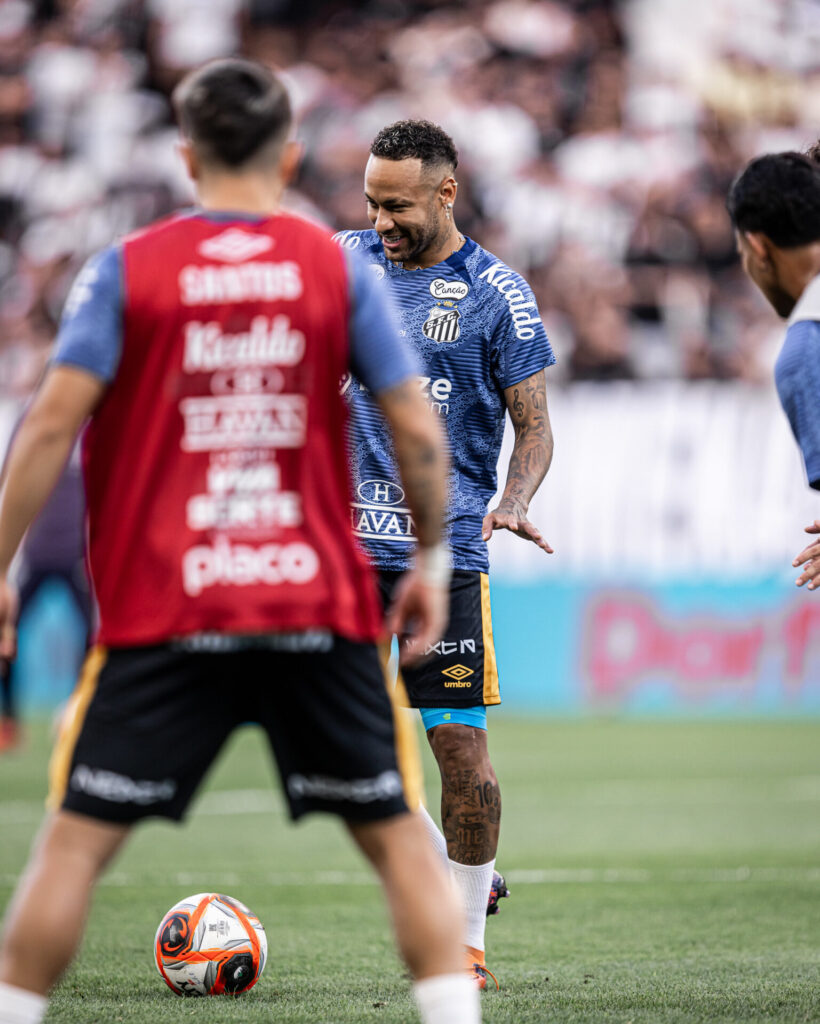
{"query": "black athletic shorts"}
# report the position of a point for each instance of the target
(146, 723)
(460, 670)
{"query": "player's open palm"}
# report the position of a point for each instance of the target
(508, 516)
(809, 558)
(418, 615)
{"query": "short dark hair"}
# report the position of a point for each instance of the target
(813, 152)
(779, 195)
(230, 109)
(416, 140)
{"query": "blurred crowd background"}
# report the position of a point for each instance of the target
(598, 139)
(597, 142)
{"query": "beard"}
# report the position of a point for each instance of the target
(415, 241)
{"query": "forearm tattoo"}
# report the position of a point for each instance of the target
(532, 450)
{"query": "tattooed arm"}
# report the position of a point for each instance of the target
(420, 608)
(530, 460)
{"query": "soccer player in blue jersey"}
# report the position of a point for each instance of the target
(475, 325)
(775, 208)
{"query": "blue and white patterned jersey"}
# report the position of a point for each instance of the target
(797, 376)
(476, 327)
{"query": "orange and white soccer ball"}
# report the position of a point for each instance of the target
(210, 944)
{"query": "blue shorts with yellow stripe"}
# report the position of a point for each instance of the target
(459, 671)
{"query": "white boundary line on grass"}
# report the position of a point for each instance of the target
(212, 881)
(219, 803)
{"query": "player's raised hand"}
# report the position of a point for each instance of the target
(809, 558)
(512, 517)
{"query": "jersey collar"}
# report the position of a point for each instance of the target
(458, 260)
(226, 216)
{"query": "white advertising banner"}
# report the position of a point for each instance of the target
(664, 481)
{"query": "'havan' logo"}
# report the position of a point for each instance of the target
(380, 492)
(380, 512)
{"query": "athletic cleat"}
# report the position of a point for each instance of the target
(477, 969)
(481, 975)
(498, 891)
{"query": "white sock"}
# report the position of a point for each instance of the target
(435, 834)
(18, 1006)
(474, 884)
(448, 999)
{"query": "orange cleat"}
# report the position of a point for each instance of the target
(477, 969)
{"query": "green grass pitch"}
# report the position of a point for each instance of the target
(662, 873)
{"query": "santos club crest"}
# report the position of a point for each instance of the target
(442, 323)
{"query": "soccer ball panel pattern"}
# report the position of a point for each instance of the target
(210, 944)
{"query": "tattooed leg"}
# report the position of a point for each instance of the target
(470, 797)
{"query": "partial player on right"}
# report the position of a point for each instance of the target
(775, 208)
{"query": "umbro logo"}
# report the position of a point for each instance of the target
(459, 674)
(235, 246)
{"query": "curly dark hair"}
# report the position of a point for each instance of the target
(779, 195)
(419, 140)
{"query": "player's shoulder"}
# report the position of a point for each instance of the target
(305, 228)
(508, 298)
(801, 344)
(156, 229)
(192, 221)
(493, 275)
(802, 338)
(100, 274)
(366, 242)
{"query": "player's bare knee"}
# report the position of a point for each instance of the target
(457, 747)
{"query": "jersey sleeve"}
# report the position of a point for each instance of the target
(378, 356)
(90, 334)
(520, 346)
(348, 239)
(797, 375)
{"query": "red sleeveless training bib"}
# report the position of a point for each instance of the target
(216, 465)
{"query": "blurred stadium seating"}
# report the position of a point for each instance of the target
(597, 140)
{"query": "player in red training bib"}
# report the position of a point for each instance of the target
(207, 352)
